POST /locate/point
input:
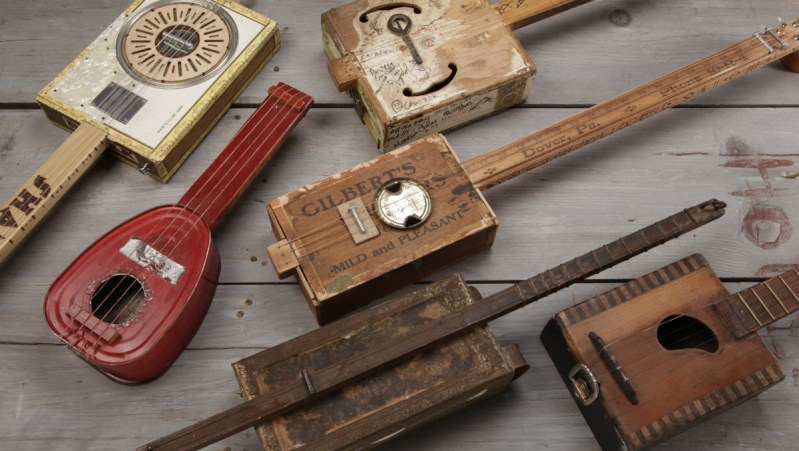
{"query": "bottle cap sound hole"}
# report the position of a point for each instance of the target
(403, 204)
(118, 299)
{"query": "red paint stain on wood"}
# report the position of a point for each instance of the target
(771, 270)
(767, 226)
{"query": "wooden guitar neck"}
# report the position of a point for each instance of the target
(517, 14)
(756, 307)
(246, 155)
(531, 151)
(42, 191)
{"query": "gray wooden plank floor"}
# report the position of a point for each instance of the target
(737, 144)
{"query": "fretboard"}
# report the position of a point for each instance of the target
(218, 188)
(758, 306)
(531, 151)
(611, 254)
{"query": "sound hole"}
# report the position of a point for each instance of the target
(118, 299)
(364, 18)
(683, 332)
(403, 204)
(177, 41)
(407, 92)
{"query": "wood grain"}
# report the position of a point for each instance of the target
(734, 144)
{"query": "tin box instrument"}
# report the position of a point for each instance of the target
(132, 301)
(416, 68)
(149, 88)
(376, 374)
(664, 352)
(389, 221)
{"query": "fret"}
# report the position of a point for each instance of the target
(617, 251)
(586, 261)
(520, 292)
(576, 269)
(750, 310)
(686, 221)
(607, 249)
(533, 281)
(598, 263)
(759, 299)
(544, 282)
(552, 278)
(734, 315)
(654, 231)
(776, 297)
(629, 252)
(796, 298)
(660, 227)
(565, 271)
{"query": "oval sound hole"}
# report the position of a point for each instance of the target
(683, 332)
(118, 299)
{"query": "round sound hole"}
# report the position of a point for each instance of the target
(684, 332)
(175, 43)
(118, 299)
(403, 204)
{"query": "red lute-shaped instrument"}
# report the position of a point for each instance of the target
(133, 300)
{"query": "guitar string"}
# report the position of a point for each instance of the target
(595, 360)
(238, 154)
(271, 119)
(629, 102)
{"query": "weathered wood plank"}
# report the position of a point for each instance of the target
(583, 55)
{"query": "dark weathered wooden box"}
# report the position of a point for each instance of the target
(391, 402)
(464, 46)
(338, 274)
(676, 387)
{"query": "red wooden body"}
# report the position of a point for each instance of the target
(170, 314)
(169, 253)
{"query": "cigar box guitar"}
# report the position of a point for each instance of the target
(132, 301)
(415, 68)
(389, 221)
(148, 88)
(657, 355)
(377, 374)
